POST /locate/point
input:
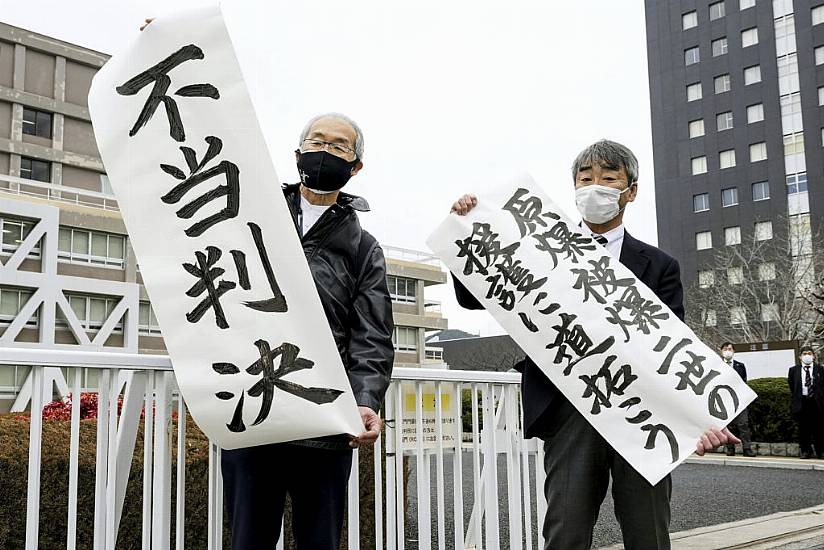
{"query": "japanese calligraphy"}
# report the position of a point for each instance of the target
(600, 281)
(159, 74)
(481, 249)
(528, 212)
(566, 242)
(632, 310)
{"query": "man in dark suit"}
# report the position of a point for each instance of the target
(578, 461)
(740, 425)
(807, 389)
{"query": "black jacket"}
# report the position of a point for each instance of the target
(348, 266)
(795, 378)
(659, 271)
(740, 369)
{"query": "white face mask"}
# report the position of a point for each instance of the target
(598, 203)
(727, 354)
(807, 359)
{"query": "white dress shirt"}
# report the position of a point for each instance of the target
(614, 237)
(311, 213)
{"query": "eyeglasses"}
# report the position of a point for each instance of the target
(337, 149)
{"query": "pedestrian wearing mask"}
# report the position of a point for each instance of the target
(740, 425)
(807, 389)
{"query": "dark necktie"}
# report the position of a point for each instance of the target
(808, 380)
(600, 239)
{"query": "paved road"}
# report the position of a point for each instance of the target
(702, 495)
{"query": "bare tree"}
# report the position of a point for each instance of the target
(768, 287)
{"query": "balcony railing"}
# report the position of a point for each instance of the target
(425, 411)
(409, 255)
(57, 193)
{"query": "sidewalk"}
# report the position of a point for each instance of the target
(798, 530)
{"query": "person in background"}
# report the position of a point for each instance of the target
(740, 425)
(807, 390)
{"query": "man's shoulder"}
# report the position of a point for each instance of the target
(655, 254)
(737, 363)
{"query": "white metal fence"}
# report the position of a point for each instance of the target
(436, 484)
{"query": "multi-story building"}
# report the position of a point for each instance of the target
(736, 89)
(68, 276)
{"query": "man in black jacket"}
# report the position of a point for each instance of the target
(578, 461)
(740, 425)
(349, 271)
(807, 389)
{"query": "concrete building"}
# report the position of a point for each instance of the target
(68, 276)
(736, 88)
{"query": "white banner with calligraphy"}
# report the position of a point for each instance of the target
(637, 373)
(214, 239)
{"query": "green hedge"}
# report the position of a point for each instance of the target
(770, 418)
(14, 442)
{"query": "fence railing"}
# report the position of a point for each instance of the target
(451, 471)
(58, 193)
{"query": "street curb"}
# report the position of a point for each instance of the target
(763, 462)
(754, 533)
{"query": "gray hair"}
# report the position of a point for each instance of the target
(344, 118)
(607, 154)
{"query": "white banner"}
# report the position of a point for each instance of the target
(214, 239)
(636, 372)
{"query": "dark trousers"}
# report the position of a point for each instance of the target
(256, 481)
(740, 426)
(811, 426)
(579, 463)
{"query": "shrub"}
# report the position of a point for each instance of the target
(770, 418)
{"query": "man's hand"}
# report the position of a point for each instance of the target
(463, 205)
(146, 23)
(373, 425)
(714, 438)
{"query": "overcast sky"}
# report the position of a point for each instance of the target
(453, 97)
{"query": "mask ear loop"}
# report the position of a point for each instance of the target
(622, 192)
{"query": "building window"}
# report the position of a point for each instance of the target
(738, 316)
(744, 4)
(699, 165)
(696, 128)
(723, 121)
(755, 113)
(797, 183)
(706, 278)
(147, 323)
(709, 318)
(694, 92)
(818, 15)
(791, 113)
(405, 339)
(769, 312)
(703, 240)
(793, 144)
(761, 191)
(735, 275)
(732, 235)
(716, 10)
(434, 354)
(821, 96)
(763, 231)
(729, 196)
(689, 20)
(788, 82)
(766, 271)
(758, 151)
(752, 75)
(13, 232)
(402, 289)
(801, 242)
(719, 46)
(726, 159)
(782, 7)
(12, 301)
(701, 203)
(819, 55)
(722, 83)
(784, 36)
(37, 123)
(692, 56)
(33, 169)
(91, 310)
(91, 247)
(749, 37)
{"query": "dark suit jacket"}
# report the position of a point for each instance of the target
(740, 369)
(795, 378)
(659, 271)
